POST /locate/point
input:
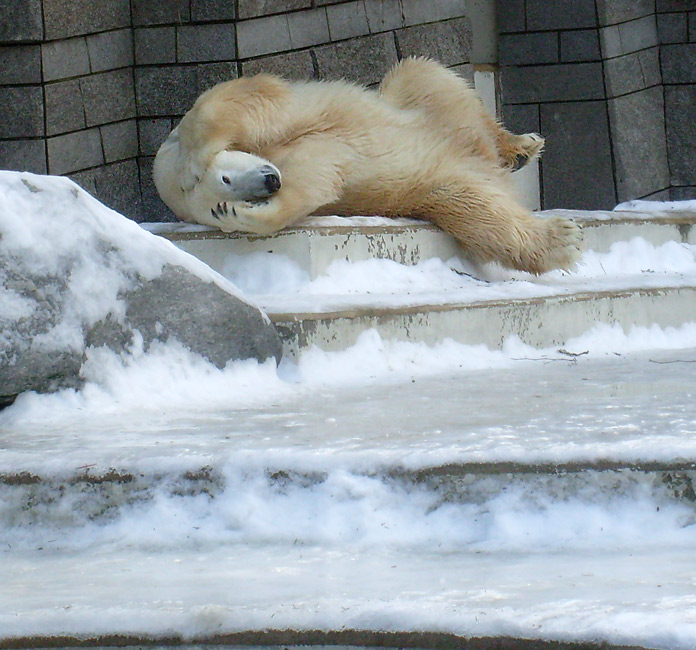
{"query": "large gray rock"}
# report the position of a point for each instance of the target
(76, 275)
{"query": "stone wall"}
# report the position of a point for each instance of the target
(610, 85)
(90, 89)
(676, 29)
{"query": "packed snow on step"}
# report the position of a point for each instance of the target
(641, 205)
(279, 284)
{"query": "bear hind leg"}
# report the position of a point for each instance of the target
(492, 227)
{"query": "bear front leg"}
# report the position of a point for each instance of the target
(312, 170)
(491, 226)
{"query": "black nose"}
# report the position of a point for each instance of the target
(271, 182)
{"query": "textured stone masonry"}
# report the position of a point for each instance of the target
(91, 89)
(607, 81)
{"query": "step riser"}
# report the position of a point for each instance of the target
(313, 249)
(599, 237)
(540, 323)
(66, 504)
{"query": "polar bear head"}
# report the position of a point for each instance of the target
(240, 176)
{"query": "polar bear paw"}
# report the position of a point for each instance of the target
(559, 246)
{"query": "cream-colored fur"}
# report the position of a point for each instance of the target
(423, 146)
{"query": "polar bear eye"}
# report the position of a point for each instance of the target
(226, 180)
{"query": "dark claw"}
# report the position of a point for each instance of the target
(215, 216)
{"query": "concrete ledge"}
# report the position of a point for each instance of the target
(539, 322)
(318, 241)
(306, 639)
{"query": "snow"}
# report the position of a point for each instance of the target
(657, 206)
(278, 284)
(303, 514)
(53, 229)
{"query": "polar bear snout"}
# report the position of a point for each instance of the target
(240, 176)
(271, 179)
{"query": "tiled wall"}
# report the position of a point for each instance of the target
(90, 89)
(610, 83)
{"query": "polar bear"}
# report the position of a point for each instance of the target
(257, 154)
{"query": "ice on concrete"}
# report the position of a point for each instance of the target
(656, 206)
(279, 284)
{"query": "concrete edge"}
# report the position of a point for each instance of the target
(372, 312)
(208, 474)
(307, 638)
(587, 218)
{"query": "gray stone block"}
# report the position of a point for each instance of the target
(263, 36)
(108, 97)
(662, 195)
(576, 165)
(209, 74)
(293, 65)
(21, 21)
(65, 109)
(674, 5)
(22, 112)
(74, 151)
(465, 71)
(207, 10)
(110, 50)
(383, 15)
(362, 60)
(511, 16)
(484, 47)
(308, 28)
(692, 26)
(680, 119)
(20, 64)
(635, 35)
(522, 118)
(528, 49)
(64, 59)
(157, 12)
(638, 138)
(672, 28)
(118, 186)
(682, 194)
(417, 12)
(66, 18)
(153, 208)
(154, 90)
(678, 63)
(627, 74)
(581, 45)
(560, 14)
(23, 155)
(255, 8)
(347, 20)
(611, 12)
(281, 33)
(119, 141)
(552, 83)
(155, 45)
(152, 133)
(448, 42)
(199, 43)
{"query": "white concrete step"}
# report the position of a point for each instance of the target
(314, 244)
(545, 315)
(550, 501)
(540, 321)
